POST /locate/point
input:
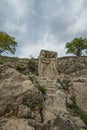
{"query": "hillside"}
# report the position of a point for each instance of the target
(28, 102)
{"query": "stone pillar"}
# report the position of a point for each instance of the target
(47, 67)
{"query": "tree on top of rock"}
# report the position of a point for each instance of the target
(77, 46)
(7, 43)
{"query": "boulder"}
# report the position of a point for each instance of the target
(15, 124)
(17, 94)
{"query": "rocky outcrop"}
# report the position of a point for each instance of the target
(29, 102)
(19, 100)
(13, 88)
(72, 65)
(79, 84)
(14, 124)
(56, 114)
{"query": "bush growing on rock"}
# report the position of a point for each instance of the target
(42, 88)
(32, 66)
(65, 82)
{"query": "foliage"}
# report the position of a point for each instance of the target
(8, 108)
(31, 78)
(65, 82)
(34, 105)
(7, 43)
(20, 68)
(37, 105)
(42, 88)
(32, 65)
(1, 62)
(67, 72)
(76, 46)
(14, 59)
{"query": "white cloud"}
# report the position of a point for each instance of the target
(47, 43)
(43, 24)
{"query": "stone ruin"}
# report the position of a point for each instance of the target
(47, 67)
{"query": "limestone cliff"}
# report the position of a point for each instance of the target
(30, 102)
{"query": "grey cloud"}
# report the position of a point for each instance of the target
(47, 24)
(64, 15)
(65, 20)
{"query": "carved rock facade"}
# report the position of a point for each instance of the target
(48, 64)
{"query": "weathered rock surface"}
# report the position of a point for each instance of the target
(48, 64)
(13, 88)
(80, 91)
(15, 124)
(18, 96)
(70, 65)
(76, 70)
(24, 107)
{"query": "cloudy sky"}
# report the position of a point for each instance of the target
(43, 24)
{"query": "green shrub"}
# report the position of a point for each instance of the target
(8, 108)
(67, 72)
(31, 78)
(37, 105)
(14, 59)
(25, 102)
(1, 62)
(33, 66)
(42, 88)
(20, 67)
(65, 82)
